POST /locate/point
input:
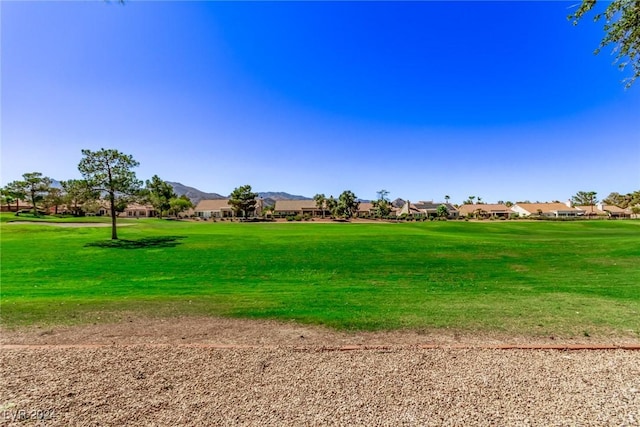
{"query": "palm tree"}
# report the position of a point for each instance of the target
(446, 198)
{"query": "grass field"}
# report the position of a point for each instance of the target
(531, 278)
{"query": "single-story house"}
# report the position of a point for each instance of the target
(366, 210)
(615, 211)
(136, 210)
(486, 210)
(427, 210)
(594, 211)
(554, 209)
(409, 209)
(285, 208)
(16, 206)
(214, 208)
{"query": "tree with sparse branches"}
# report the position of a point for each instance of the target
(320, 200)
(180, 204)
(347, 205)
(159, 194)
(584, 198)
(35, 186)
(53, 199)
(13, 192)
(623, 200)
(622, 30)
(442, 211)
(382, 206)
(332, 205)
(110, 171)
(76, 193)
(7, 199)
(243, 200)
(383, 195)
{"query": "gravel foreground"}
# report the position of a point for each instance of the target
(158, 379)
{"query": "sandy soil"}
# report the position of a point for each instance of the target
(196, 371)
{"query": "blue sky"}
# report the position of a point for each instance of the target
(502, 100)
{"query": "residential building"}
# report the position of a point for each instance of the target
(284, 208)
(485, 210)
(552, 210)
(214, 208)
(427, 210)
(136, 210)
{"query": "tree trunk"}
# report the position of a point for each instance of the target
(33, 201)
(112, 206)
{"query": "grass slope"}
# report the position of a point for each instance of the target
(528, 278)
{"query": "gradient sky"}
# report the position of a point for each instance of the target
(502, 100)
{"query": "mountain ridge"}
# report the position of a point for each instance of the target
(195, 195)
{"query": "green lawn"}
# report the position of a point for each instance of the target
(532, 278)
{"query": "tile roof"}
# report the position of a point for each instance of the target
(212, 205)
(433, 206)
(615, 209)
(485, 207)
(365, 207)
(545, 207)
(294, 205)
(589, 210)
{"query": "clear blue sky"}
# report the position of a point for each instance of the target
(502, 100)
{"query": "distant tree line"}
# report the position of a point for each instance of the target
(108, 178)
(345, 206)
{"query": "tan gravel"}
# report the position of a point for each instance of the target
(154, 372)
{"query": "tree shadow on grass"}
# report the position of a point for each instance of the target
(144, 243)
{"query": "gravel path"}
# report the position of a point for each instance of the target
(162, 379)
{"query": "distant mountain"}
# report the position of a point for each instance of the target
(279, 195)
(196, 195)
(193, 194)
(398, 203)
(266, 201)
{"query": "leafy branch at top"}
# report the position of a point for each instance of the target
(622, 28)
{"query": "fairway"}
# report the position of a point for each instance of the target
(577, 278)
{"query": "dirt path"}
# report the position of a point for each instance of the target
(132, 329)
(237, 372)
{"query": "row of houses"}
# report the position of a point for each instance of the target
(308, 208)
(134, 210)
(549, 210)
(221, 209)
